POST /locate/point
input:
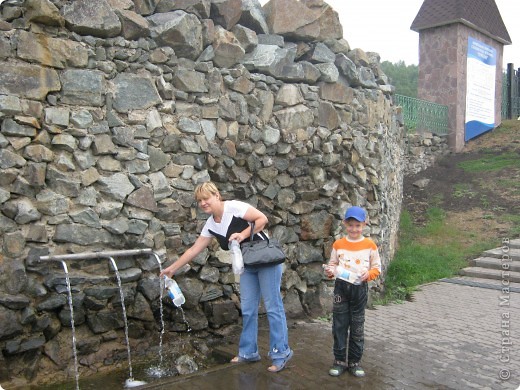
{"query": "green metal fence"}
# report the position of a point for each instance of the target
(421, 115)
(511, 93)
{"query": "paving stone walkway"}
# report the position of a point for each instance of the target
(462, 333)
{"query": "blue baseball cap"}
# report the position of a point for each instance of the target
(357, 213)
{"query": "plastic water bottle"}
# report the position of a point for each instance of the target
(342, 273)
(174, 291)
(237, 261)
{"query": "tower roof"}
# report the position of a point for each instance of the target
(480, 15)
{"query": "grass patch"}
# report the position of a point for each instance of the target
(515, 222)
(492, 162)
(463, 190)
(426, 254)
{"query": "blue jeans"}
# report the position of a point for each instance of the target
(348, 320)
(263, 283)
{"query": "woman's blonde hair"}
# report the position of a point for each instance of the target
(205, 190)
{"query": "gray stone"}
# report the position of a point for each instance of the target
(288, 95)
(227, 48)
(55, 301)
(43, 12)
(158, 159)
(65, 141)
(179, 30)
(117, 226)
(295, 117)
(85, 216)
(143, 198)
(133, 92)
(9, 159)
(198, 7)
(9, 324)
(52, 52)
(253, 16)
(328, 72)
(186, 365)
(269, 59)
(12, 128)
(26, 211)
(82, 235)
(133, 26)
(280, 19)
(160, 185)
(189, 80)
(14, 302)
(247, 37)
(83, 87)
(117, 186)
(28, 81)
(320, 53)
(51, 203)
(188, 125)
(82, 119)
(10, 105)
(137, 227)
(104, 321)
(92, 17)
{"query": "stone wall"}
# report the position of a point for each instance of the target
(422, 150)
(112, 111)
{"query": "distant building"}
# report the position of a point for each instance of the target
(446, 28)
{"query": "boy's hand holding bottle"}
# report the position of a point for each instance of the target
(330, 270)
(333, 271)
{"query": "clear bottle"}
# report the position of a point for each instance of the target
(237, 261)
(344, 274)
(174, 291)
(341, 272)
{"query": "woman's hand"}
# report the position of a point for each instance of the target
(236, 236)
(168, 272)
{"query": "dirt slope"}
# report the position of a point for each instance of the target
(486, 198)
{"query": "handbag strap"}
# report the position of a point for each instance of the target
(260, 233)
(252, 230)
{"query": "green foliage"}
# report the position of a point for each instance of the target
(402, 77)
(492, 162)
(515, 221)
(426, 254)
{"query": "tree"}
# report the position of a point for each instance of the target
(403, 77)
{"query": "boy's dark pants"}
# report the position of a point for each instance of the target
(348, 314)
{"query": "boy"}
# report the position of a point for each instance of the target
(354, 260)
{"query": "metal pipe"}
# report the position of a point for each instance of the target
(95, 255)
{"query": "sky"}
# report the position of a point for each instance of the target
(383, 26)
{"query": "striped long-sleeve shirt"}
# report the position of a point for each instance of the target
(356, 257)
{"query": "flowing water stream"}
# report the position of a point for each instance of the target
(71, 307)
(150, 372)
(130, 382)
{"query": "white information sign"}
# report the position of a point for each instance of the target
(480, 93)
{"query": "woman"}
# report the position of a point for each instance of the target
(229, 220)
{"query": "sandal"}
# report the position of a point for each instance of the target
(279, 364)
(240, 359)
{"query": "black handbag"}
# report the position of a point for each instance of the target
(260, 253)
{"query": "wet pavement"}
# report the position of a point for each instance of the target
(461, 333)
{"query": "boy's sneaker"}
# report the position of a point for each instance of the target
(356, 370)
(338, 368)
